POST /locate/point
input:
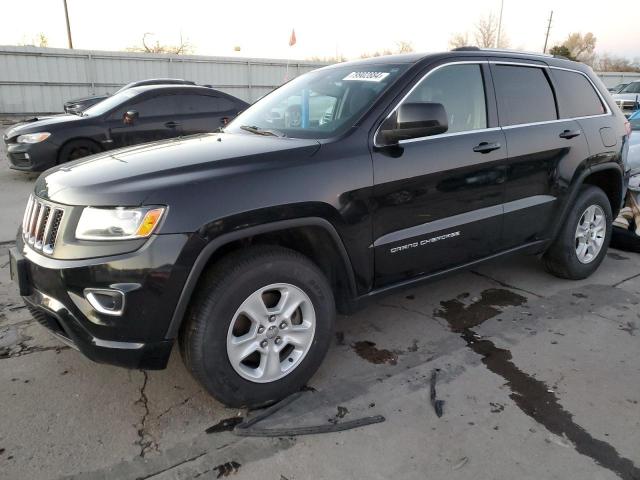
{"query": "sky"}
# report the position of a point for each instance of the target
(323, 29)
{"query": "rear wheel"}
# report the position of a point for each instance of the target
(76, 149)
(259, 326)
(583, 241)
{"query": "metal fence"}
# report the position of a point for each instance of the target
(40, 80)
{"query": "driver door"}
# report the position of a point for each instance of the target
(439, 198)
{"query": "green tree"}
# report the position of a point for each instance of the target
(561, 51)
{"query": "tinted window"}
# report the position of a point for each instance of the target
(204, 104)
(159, 106)
(524, 95)
(460, 89)
(576, 96)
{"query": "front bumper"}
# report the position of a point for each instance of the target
(152, 279)
(32, 157)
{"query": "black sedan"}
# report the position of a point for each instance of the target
(132, 116)
(81, 104)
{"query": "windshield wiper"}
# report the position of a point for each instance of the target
(262, 131)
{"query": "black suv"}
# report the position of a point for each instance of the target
(346, 183)
(132, 116)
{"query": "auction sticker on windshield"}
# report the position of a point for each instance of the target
(367, 76)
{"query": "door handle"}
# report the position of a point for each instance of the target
(171, 124)
(486, 147)
(570, 134)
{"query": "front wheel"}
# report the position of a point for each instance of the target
(259, 326)
(582, 243)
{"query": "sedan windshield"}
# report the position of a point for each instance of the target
(631, 88)
(319, 104)
(110, 103)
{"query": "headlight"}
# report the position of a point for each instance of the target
(118, 223)
(33, 137)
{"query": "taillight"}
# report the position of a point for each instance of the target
(627, 128)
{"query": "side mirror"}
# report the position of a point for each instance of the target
(130, 117)
(414, 120)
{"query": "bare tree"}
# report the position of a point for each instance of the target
(582, 47)
(459, 40)
(182, 48)
(486, 32)
(40, 40)
(607, 63)
(404, 47)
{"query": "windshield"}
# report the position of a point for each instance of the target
(631, 88)
(319, 104)
(110, 103)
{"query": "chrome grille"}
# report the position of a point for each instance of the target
(41, 224)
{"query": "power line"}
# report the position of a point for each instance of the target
(546, 38)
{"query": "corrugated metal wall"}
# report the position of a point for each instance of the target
(40, 80)
(611, 79)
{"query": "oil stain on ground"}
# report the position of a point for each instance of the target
(532, 396)
(461, 316)
(368, 351)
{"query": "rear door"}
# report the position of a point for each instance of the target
(438, 199)
(539, 144)
(204, 113)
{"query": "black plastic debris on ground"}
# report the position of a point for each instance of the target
(438, 405)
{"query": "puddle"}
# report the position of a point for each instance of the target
(461, 316)
(368, 351)
(532, 396)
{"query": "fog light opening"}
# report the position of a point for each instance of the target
(109, 302)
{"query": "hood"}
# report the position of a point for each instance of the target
(40, 124)
(127, 176)
(85, 99)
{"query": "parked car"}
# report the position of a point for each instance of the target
(81, 104)
(628, 99)
(132, 116)
(617, 88)
(634, 143)
(241, 245)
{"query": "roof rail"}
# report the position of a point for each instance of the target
(498, 50)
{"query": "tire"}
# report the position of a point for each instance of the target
(562, 258)
(216, 320)
(76, 149)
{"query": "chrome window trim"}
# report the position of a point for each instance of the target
(441, 135)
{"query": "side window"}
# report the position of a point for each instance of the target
(460, 89)
(159, 106)
(524, 95)
(576, 96)
(194, 104)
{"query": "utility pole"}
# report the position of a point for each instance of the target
(499, 24)
(66, 14)
(546, 38)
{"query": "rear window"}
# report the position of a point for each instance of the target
(524, 95)
(576, 96)
(633, 87)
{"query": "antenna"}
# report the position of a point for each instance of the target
(546, 38)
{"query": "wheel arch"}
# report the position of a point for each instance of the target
(314, 237)
(607, 176)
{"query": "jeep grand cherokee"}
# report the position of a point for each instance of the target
(348, 182)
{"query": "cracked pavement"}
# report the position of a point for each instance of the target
(539, 377)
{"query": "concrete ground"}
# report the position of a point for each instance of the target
(540, 378)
